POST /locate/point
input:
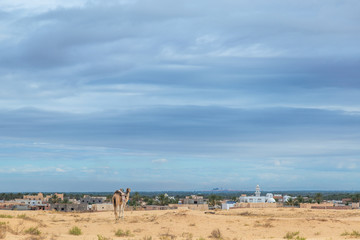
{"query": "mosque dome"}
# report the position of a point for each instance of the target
(271, 200)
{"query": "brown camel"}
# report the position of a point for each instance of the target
(119, 199)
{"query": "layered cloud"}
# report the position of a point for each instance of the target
(261, 85)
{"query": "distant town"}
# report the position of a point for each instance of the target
(212, 200)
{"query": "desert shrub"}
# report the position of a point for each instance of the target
(291, 235)
(152, 218)
(100, 237)
(265, 225)
(187, 235)
(353, 234)
(147, 238)
(216, 234)
(167, 236)
(201, 238)
(21, 216)
(121, 233)
(75, 231)
(33, 231)
(5, 216)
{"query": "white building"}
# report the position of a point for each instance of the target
(227, 205)
(269, 198)
(28, 202)
(287, 197)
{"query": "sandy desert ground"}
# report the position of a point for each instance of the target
(184, 224)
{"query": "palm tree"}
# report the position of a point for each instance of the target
(54, 199)
(290, 202)
(300, 199)
(214, 200)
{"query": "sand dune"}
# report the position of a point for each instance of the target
(184, 224)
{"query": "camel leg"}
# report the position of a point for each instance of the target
(122, 211)
(115, 212)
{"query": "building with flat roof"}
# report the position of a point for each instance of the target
(257, 198)
(62, 207)
(39, 197)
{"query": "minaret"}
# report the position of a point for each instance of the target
(257, 192)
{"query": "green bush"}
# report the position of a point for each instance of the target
(100, 237)
(33, 231)
(121, 233)
(291, 235)
(75, 231)
(354, 234)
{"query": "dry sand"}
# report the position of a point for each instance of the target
(185, 224)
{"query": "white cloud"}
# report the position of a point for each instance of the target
(38, 5)
(161, 160)
(252, 51)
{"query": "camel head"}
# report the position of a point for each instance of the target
(128, 190)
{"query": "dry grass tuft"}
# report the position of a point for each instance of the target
(121, 233)
(87, 219)
(100, 237)
(293, 235)
(216, 234)
(187, 235)
(353, 234)
(152, 218)
(32, 231)
(265, 225)
(181, 213)
(167, 236)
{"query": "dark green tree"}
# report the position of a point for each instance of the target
(163, 199)
(214, 200)
(318, 198)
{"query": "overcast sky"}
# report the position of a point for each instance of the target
(179, 95)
